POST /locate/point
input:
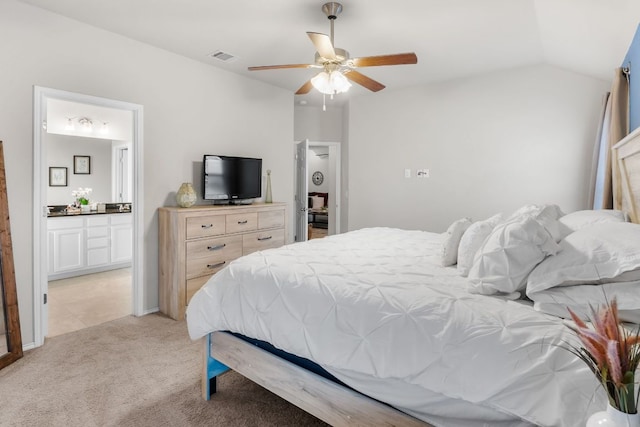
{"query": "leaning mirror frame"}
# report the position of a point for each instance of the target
(9, 294)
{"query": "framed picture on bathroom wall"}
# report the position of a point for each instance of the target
(57, 176)
(82, 165)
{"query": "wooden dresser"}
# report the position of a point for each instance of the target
(196, 242)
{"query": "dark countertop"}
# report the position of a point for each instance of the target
(64, 213)
(111, 208)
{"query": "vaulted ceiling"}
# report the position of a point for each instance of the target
(452, 38)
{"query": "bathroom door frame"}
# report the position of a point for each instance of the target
(40, 251)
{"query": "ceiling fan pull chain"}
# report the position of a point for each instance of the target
(324, 105)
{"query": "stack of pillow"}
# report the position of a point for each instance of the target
(576, 260)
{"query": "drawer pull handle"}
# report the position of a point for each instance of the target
(220, 264)
(217, 247)
(260, 239)
(206, 226)
(242, 222)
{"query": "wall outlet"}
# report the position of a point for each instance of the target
(422, 173)
(407, 173)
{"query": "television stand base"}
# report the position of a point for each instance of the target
(233, 202)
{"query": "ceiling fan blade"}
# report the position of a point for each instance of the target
(363, 80)
(323, 45)
(305, 88)
(374, 61)
(277, 67)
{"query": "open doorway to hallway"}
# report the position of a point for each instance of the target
(318, 184)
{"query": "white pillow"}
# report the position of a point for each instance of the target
(548, 216)
(317, 202)
(580, 298)
(601, 253)
(452, 241)
(581, 219)
(472, 240)
(508, 255)
(552, 211)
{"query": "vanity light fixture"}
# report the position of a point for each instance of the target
(104, 128)
(86, 123)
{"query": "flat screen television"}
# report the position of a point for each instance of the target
(229, 179)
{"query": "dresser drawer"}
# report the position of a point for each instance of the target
(252, 242)
(237, 223)
(194, 284)
(205, 226)
(205, 257)
(270, 219)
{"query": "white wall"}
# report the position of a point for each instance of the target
(60, 152)
(189, 109)
(311, 123)
(492, 143)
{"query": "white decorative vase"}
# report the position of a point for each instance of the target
(186, 195)
(268, 198)
(613, 418)
(85, 208)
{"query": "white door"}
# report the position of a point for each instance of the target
(302, 191)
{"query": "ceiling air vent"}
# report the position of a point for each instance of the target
(223, 56)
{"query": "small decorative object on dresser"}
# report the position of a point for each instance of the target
(186, 195)
(269, 197)
(612, 352)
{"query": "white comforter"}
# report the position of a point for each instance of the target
(375, 308)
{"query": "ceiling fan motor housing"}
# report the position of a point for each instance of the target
(332, 9)
(341, 56)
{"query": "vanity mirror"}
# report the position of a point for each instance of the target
(10, 337)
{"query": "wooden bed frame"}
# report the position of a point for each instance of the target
(626, 180)
(339, 405)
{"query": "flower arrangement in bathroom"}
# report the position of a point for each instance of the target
(82, 198)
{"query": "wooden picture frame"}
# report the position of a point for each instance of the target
(82, 165)
(9, 332)
(57, 176)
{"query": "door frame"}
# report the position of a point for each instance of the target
(40, 249)
(335, 194)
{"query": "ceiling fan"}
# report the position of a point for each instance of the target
(337, 67)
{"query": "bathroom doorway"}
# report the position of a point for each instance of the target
(71, 264)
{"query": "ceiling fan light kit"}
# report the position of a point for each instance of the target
(337, 67)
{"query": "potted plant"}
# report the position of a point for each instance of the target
(82, 198)
(612, 352)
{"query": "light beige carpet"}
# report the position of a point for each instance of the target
(132, 372)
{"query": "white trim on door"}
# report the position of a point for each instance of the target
(40, 96)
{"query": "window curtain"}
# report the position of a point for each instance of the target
(614, 127)
(596, 189)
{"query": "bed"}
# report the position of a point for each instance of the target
(479, 345)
